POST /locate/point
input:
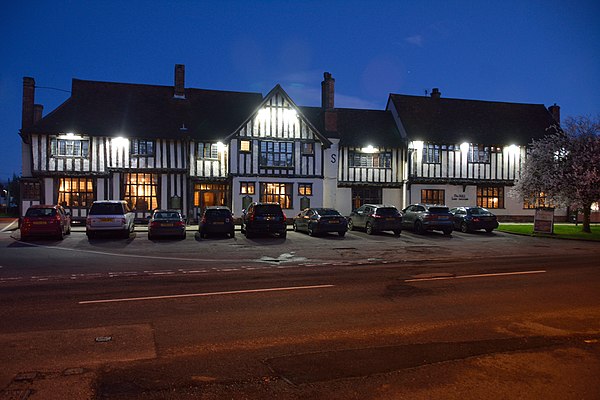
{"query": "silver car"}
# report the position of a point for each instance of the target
(110, 216)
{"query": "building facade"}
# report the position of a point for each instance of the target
(184, 148)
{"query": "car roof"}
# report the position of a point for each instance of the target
(379, 205)
(168, 210)
(45, 206)
(218, 208)
(110, 201)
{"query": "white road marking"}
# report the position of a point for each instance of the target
(177, 296)
(445, 278)
(7, 227)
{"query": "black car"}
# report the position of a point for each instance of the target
(376, 218)
(427, 217)
(320, 220)
(264, 218)
(216, 219)
(468, 219)
(166, 223)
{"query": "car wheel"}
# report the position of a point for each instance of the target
(489, 230)
(310, 231)
(69, 230)
(150, 237)
(369, 228)
(90, 235)
(350, 225)
(463, 227)
(242, 229)
(294, 227)
(283, 234)
(232, 234)
(419, 228)
(397, 232)
(61, 234)
(342, 234)
(447, 232)
(183, 235)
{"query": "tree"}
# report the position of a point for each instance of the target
(565, 167)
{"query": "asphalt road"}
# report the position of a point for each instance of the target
(360, 317)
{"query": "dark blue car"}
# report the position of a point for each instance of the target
(467, 219)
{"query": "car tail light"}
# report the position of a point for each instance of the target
(153, 224)
(428, 216)
(475, 219)
(377, 216)
(204, 219)
(251, 218)
(179, 223)
(26, 220)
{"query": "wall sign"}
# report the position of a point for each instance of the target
(460, 197)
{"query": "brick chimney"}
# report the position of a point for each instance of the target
(27, 117)
(327, 102)
(435, 93)
(555, 111)
(38, 111)
(179, 92)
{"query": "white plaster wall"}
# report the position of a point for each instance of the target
(392, 196)
(48, 191)
(344, 201)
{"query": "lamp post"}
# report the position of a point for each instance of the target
(6, 199)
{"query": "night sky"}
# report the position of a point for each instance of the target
(541, 52)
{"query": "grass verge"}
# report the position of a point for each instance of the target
(561, 231)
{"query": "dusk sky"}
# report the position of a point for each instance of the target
(541, 52)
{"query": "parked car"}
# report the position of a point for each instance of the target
(264, 218)
(44, 221)
(427, 217)
(166, 223)
(109, 216)
(473, 218)
(216, 219)
(376, 218)
(320, 220)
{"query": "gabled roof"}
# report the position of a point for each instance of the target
(359, 128)
(147, 111)
(278, 90)
(445, 120)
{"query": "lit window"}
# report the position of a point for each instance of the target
(541, 200)
(308, 148)
(141, 191)
(305, 189)
(245, 145)
(75, 192)
(490, 196)
(277, 193)
(433, 196)
(246, 187)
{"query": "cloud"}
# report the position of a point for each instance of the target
(416, 40)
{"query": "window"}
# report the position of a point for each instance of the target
(31, 191)
(490, 196)
(210, 194)
(277, 193)
(308, 148)
(433, 196)
(478, 154)
(276, 154)
(305, 189)
(246, 187)
(208, 151)
(142, 147)
(366, 194)
(368, 160)
(431, 154)
(245, 145)
(69, 147)
(141, 191)
(75, 192)
(541, 200)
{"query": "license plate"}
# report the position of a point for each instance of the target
(166, 224)
(442, 218)
(106, 219)
(39, 223)
(218, 223)
(334, 221)
(390, 219)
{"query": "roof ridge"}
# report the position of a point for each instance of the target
(467, 100)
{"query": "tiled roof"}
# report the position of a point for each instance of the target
(148, 111)
(445, 120)
(359, 128)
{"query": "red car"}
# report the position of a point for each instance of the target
(43, 220)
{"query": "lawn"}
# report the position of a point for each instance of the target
(561, 231)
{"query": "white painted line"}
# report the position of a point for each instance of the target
(177, 296)
(445, 278)
(7, 227)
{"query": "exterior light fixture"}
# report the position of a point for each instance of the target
(464, 147)
(513, 149)
(369, 149)
(417, 145)
(120, 141)
(220, 147)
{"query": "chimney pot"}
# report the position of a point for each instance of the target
(435, 93)
(179, 91)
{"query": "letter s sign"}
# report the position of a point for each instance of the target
(333, 158)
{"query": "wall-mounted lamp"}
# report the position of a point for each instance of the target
(369, 149)
(417, 145)
(513, 149)
(464, 147)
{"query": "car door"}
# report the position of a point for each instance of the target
(409, 217)
(302, 223)
(358, 219)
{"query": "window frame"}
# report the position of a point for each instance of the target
(61, 145)
(271, 153)
(485, 199)
(250, 188)
(302, 189)
(285, 199)
(131, 190)
(71, 195)
(207, 151)
(432, 194)
(148, 145)
(432, 153)
(380, 160)
(483, 154)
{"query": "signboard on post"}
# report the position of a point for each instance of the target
(544, 220)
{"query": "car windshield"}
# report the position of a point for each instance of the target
(327, 211)
(41, 212)
(218, 213)
(387, 211)
(106, 209)
(438, 210)
(479, 211)
(166, 215)
(268, 209)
